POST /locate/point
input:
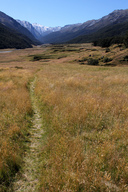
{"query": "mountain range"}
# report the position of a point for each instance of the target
(91, 29)
(38, 30)
(22, 34)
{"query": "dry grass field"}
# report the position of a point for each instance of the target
(15, 112)
(82, 93)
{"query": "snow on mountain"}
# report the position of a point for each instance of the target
(30, 27)
(38, 30)
(43, 30)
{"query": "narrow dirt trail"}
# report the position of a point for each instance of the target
(30, 171)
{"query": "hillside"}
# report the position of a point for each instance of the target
(89, 28)
(38, 30)
(115, 31)
(10, 39)
(30, 27)
(12, 24)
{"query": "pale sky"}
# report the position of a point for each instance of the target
(53, 13)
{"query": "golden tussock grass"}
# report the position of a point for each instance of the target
(86, 110)
(85, 114)
(15, 111)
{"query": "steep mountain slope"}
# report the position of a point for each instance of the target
(30, 27)
(38, 30)
(87, 28)
(14, 25)
(115, 31)
(10, 39)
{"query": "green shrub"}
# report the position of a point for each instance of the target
(125, 58)
(83, 59)
(39, 57)
(107, 50)
(106, 60)
(93, 61)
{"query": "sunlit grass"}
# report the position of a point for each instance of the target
(85, 116)
(86, 111)
(15, 112)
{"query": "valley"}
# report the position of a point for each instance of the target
(64, 118)
(108, 30)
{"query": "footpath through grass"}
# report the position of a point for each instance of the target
(81, 144)
(28, 179)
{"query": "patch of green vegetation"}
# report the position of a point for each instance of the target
(125, 58)
(17, 67)
(106, 60)
(63, 48)
(61, 56)
(38, 57)
(89, 61)
(92, 61)
(81, 61)
(107, 50)
(45, 57)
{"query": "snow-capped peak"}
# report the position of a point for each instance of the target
(38, 30)
(41, 29)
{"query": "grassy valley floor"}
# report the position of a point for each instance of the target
(69, 127)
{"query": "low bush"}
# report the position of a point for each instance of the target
(39, 57)
(125, 58)
(92, 61)
(107, 50)
(106, 60)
